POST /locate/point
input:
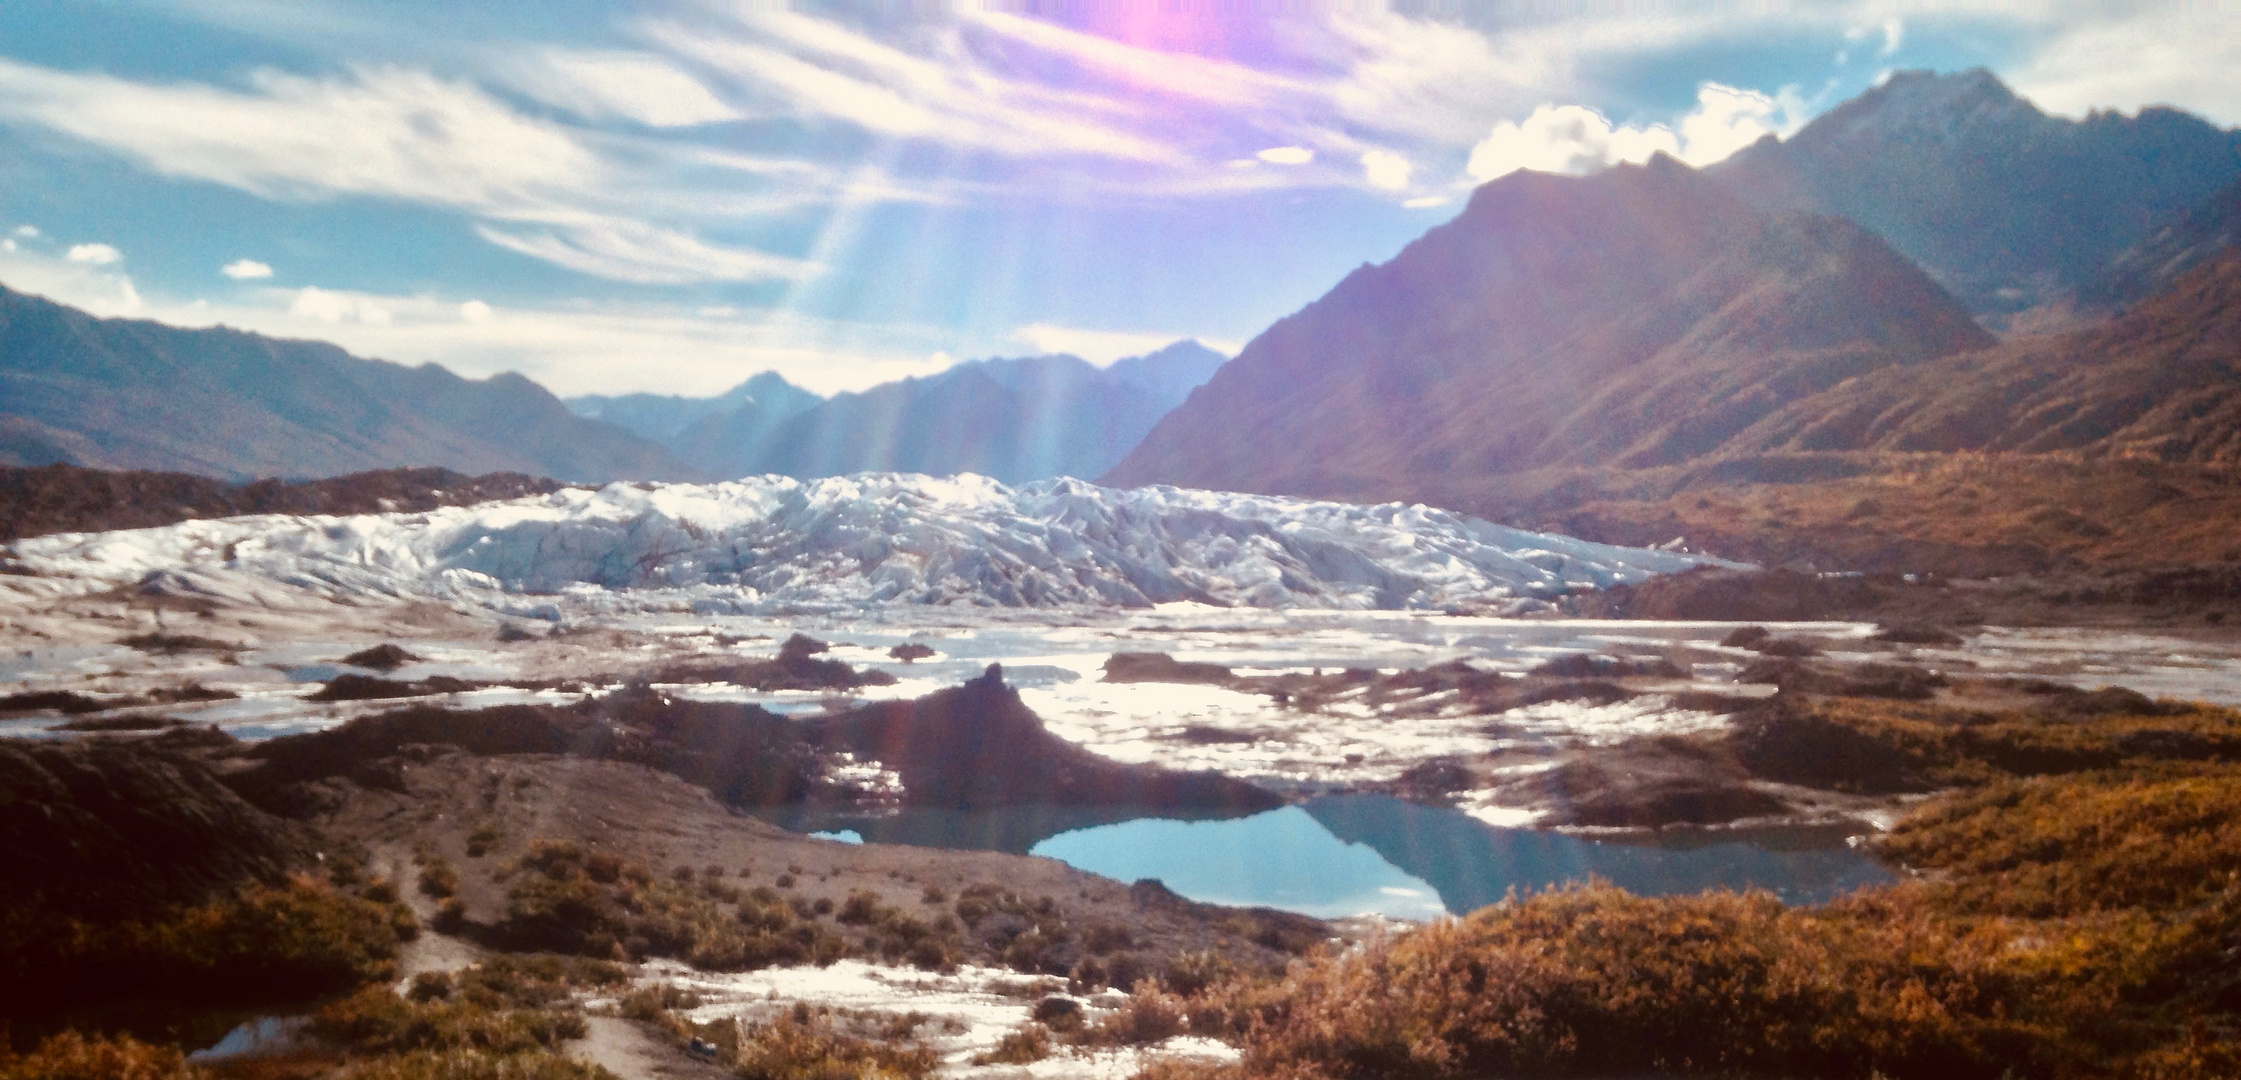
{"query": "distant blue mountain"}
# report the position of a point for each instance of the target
(670, 420)
(1012, 419)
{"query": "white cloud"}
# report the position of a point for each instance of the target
(94, 254)
(630, 85)
(570, 347)
(816, 69)
(245, 269)
(1574, 139)
(1286, 155)
(335, 306)
(386, 132)
(2130, 57)
(475, 311)
(28, 232)
(1103, 346)
(7, 244)
(1184, 74)
(1386, 170)
(627, 250)
(1894, 31)
(1727, 119)
(100, 290)
(1570, 139)
(1425, 202)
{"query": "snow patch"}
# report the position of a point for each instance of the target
(966, 1012)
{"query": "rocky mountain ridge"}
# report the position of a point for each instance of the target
(2004, 205)
(133, 394)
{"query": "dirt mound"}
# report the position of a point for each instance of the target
(969, 747)
(112, 828)
(383, 657)
(1126, 667)
(348, 687)
(72, 703)
(1796, 676)
(796, 667)
(67, 498)
(1796, 745)
(1583, 666)
(62, 701)
(977, 745)
(1736, 595)
(1655, 782)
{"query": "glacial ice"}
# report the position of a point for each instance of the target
(772, 544)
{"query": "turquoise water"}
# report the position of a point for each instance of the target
(1357, 854)
(1282, 858)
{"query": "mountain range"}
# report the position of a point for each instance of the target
(1016, 420)
(129, 394)
(125, 394)
(1655, 352)
(1789, 356)
(684, 424)
(2007, 207)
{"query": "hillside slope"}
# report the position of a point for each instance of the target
(2162, 381)
(130, 394)
(2202, 234)
(1638, 317)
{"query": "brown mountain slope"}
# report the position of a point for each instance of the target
(1638, 317)
(2204, 233)
(1956, 514)
(130, 394)
(2163, 381)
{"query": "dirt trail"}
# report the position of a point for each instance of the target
(629, 1051)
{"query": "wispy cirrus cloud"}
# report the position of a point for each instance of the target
(392, 133)
(568, 348)
(615, 84)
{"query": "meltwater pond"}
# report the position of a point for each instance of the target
(1359, 854)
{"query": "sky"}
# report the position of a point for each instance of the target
(673, 195)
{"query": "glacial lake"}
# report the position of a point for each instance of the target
(1344, 855)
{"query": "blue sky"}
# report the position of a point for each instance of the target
(672, 196)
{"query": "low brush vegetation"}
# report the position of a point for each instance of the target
(809, 1045)
(1879, 746)
(293, 942)
(2076, 913)
(71, 1056)
(566, 899)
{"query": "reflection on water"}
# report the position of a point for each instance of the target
(1015, 829)
(1353, 854)
(1283, 858)
(1473, 864)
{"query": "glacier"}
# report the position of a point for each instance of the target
(774, 544)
